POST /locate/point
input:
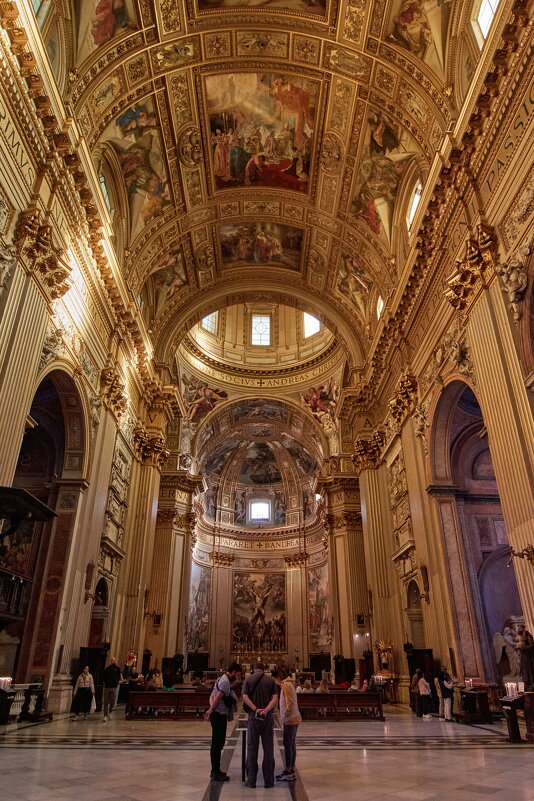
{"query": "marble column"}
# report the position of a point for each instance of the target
(507, 411)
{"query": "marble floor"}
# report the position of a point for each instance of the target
(403, 759)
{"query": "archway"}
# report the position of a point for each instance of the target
(51, 463)
(474, 533)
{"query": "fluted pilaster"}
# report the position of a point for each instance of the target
(508, 418)
(20, 348)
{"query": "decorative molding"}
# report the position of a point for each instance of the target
(403, 401)
(367, 452)
(150, 449)
(113, 391)
(296, 559)
(469, 273)
(221, 559)
(35, 247)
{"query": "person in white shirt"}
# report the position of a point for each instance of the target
(425, 693)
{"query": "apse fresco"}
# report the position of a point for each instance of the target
(199, 609)
(261, 243)
(421, 29)
(216, 461)
(257, 410)
(259, 612)
(304, 462)
(315, 7)
(354, 283)
(100, 21)
(135, 137)
(261, 129)
(259, 465)
(386, 155)
(200, 398)
(320, 614)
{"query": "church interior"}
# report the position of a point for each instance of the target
(267, 371)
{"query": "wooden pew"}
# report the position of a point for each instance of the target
(341, 706)
(166, 704)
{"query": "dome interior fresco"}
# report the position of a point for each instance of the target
(259, 449)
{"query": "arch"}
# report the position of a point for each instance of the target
(472, 526)
(76, 415)
(500, 598)
(440, 430)
(189, 311)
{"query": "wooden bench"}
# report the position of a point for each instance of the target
(341, 706)
(166, 704)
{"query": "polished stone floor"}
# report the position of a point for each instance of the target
(403, 759)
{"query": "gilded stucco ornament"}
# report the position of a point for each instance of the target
(190, 148)
(7, 262)
(515, 279)
(403, 401)
(420, 416)
(367, 452)
(332, 154)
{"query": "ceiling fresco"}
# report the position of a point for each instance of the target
(271, 144)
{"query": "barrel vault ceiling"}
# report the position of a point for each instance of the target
(259, 150)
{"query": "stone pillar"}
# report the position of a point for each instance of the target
(139, 546)
(348, 562)
(386, 614)
(507, 411)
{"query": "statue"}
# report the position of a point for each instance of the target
(507, 640)
(525, 646)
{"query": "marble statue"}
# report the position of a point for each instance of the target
(507, 640)
(525, 646)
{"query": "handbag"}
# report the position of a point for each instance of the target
(246, 707)
(93, 705)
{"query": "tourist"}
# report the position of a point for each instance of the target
(414, 691)
(290, 717)
(300, 685)
(222, 699)
(323, 687)
(354, 686)
(260, 697)
(425, 693)
(308, 687)
(84, 691)
(112, 677)
(447, 692)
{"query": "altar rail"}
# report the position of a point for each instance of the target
(313, 706)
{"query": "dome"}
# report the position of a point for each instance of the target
(265, 472)
(258, 336)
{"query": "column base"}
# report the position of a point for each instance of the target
(60, 694)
